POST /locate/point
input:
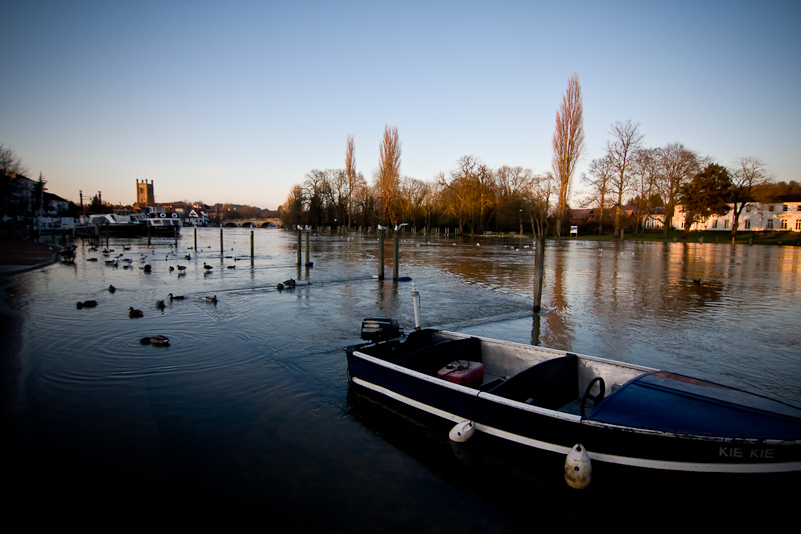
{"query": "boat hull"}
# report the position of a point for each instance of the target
(557, 431)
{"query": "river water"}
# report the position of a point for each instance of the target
(247, 418)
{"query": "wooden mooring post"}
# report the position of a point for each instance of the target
(395, 248)
(222, 251)
(539, 260)
(309, 263)
(251, 248)
(300, 247)
(195, 238)
(380, 254)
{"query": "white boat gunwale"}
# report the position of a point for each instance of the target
(540, 410)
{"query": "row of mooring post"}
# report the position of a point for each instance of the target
(174, 236)
(395, 259)
(222, 244)
(539, 258)
(298, 262)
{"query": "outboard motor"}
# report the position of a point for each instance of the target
(377, 329)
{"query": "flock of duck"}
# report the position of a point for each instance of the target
(127, 263)
(133, 313)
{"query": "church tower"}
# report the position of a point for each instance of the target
(144, 193)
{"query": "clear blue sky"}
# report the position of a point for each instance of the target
(236, 101)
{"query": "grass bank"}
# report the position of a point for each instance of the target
(792, 239)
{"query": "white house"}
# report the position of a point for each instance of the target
(197, 219)
(756, 217)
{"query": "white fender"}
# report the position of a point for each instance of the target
(462, 431)
(578, 469)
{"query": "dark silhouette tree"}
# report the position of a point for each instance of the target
(707, 194)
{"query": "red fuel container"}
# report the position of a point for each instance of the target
(463, 372)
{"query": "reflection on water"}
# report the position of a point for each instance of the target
(249, 407)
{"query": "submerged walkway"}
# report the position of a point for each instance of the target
(19, 255)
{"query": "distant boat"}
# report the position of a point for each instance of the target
(164, 226)
(124, 224)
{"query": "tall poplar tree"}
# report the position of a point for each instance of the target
(568, 144)
(350, 172)
(388, 175)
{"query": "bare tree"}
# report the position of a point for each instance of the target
(470, 195)
(454, 195)
(314, 195)
(677, 166)
(363, 202)
(537, 203)
(336, 194)
(621, 151)
(388, 175)
(568, 144)
(412, 202)
(350, 172)
(292, 212)
(513, 184)
(646, 173)
(747, 175)
(10, 163)
(484, 194)
(599, 178)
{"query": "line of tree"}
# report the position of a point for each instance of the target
(471, 197)
(475, 198)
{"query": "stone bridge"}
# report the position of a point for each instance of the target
(269, 222)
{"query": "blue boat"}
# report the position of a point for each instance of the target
(560, 401)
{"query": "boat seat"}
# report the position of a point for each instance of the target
(550, 384)
(432, 358)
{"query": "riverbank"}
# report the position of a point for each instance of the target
(724, 238)
(743, 238)
(19, 255)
